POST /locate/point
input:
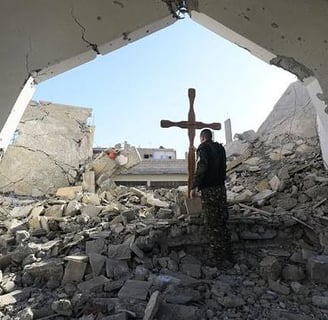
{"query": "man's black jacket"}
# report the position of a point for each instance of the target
(211, 165)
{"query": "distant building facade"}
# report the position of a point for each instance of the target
(159, 168)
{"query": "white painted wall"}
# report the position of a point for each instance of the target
(314, 90)
(16, 113)
(163, 155)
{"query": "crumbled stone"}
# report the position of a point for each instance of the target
(62, 307)
(270, 268)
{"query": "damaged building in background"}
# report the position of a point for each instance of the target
(51, 144)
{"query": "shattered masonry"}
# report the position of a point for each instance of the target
(102, 251)
(53, 141)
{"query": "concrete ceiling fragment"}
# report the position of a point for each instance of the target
(42, 38)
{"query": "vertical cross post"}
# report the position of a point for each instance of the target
(191, 125)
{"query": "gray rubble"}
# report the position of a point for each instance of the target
(132, 253)
(90, 249)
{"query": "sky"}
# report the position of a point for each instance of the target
(135, 87)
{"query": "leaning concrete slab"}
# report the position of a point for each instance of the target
(52, 142)
(293, 114)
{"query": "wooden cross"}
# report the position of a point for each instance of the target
(191, 125)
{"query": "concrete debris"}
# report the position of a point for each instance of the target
(132, 253)
(53, 151)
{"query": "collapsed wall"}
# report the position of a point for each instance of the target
(51, 144)
(294, 114)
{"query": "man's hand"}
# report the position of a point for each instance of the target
(193, 193)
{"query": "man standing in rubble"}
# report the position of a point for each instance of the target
(209, 179)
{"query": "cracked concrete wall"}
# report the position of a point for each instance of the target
(294, 114)
(52, 142)
(45, 38)
(279, 32)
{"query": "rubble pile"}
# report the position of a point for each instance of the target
(101, 251)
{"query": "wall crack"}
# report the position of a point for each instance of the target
(93, 46)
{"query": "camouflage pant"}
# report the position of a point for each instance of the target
(215, 208)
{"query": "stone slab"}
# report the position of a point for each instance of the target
(74, 271)
(135, 289)
(94, 284)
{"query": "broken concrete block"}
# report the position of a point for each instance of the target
(193, 206)
(44, 223)
(152, 306)
(151, 200)
(293, 273)
(320, 301)
(136, 250)
(170, 311)
(236, 148)
(287, 149)
(105, 182)
(262, 196)
(317, 268)
(135, 289)
(129, 215)
(94, 284)
(15, 225)
(51, 269)
(116, 269)
(95, 246)
(97, 262)
(89, 183)
(114, 285)
(34, 218)
(119, 251)
(55, 211)
(270, 268)
(164, 213)
(254, 161)
(102, 164)
(288, 203)
(276, 156)
(21, 212)
(232, 301)
(91, 199)
(74, 271)
(249, 136)
(246, 195)
(73, 208)
(191, 269)
(68, 193)
(90, 210)
(274, 183)
(262, 185)
(279, 287)
(299, 288)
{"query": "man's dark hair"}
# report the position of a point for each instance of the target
(206, 133)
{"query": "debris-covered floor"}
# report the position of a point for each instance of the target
(132, 253)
